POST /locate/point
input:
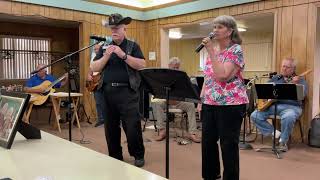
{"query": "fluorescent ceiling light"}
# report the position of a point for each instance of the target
(142, 3)
(242, 29)
(175, 33)
(204, 23)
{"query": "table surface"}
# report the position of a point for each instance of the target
(54, 158)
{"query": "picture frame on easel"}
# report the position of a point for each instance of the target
(12, 108)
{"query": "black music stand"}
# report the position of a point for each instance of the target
(169, 84)
(278, 92)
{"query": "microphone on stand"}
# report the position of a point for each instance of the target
(279, 76)
(198, 49)
(97, 38)
(269, 75)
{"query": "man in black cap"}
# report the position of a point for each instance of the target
(119, 62)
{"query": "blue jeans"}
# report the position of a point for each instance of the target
(99, 98)
(288, 115)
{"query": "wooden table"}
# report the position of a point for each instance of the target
(54, 158)
(56, 101)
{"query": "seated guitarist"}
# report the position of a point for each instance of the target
(288, 110)
(39, 78)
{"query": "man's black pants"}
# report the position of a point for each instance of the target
(122, 103)
(224, 123)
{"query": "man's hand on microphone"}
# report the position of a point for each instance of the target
(109, 50)
(118, 51)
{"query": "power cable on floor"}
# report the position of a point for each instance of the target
(82, 141)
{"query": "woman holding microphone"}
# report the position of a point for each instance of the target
(224, 100)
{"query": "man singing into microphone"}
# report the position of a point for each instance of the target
(119, 64)
(288, 110)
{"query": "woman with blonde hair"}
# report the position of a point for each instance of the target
(224, 100)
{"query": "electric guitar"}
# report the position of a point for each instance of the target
(263, 104)
(40, 98)
(96, 80)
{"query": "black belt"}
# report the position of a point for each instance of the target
(118, 84)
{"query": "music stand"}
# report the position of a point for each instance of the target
(278, 92)
(169, 84)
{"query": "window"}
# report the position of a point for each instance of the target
(20, 55)
(203, 57)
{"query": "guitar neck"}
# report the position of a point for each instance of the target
(56, 81)
(301, 75)
(305, 73)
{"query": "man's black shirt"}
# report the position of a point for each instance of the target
(115, 70)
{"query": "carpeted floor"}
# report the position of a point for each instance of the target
(300, 163)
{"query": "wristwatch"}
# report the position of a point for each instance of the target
(125, 57)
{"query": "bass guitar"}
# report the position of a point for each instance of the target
(263, 104)
(40, 98)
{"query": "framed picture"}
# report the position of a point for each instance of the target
(12, 108)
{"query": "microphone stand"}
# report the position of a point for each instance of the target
(68, 60)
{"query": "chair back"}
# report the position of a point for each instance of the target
(250, 107)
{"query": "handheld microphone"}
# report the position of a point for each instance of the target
(198, 49)
(97, 38)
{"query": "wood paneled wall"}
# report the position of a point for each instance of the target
(294, 31)
(183, 49)
(258, 52)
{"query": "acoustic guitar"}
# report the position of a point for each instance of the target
(40, 98)
(263, 104)
(96, 80)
